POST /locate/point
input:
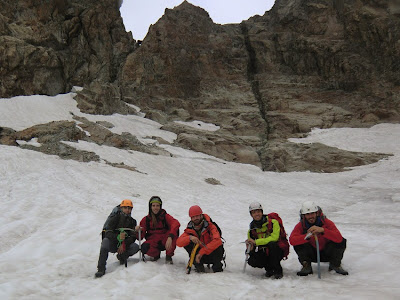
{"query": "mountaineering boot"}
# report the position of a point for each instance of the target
(306, 269)
(217, 267)
(121, 259)
(199, 268)
(155, 258)
(278, 274)
(168, 260)
(338, 269)
(100, 273)
(151, 258)
(269, 273)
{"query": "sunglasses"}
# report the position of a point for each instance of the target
(128, 207)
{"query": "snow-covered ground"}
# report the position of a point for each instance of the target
(53, 211)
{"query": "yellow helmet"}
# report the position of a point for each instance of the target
(126, 202)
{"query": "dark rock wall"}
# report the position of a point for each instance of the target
(48, 46)
(303, 64)
(184, 54)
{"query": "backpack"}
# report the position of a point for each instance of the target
(282, 242)
(223, 241)
(115, 211)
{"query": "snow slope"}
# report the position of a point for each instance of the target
(53, 211)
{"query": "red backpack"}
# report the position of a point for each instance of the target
(282, 242)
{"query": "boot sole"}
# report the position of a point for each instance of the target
(341, 273)
(303, 274)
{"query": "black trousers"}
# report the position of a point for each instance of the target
(214, 258)
(268, 257)
(332, 252)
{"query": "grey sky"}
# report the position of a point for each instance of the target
(138, 15)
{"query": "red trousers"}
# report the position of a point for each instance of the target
(155, 243)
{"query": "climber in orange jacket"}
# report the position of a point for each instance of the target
(201, 230)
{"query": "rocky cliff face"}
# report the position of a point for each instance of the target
(46, 47)
(304, 64)
(189, 68)
(324, 64)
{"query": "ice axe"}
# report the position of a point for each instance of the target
(318, 256)
(126, 260)
(140, 245)
(247, 257)
(122, 243)
(192, 255)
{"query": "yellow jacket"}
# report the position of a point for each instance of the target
(262, 235)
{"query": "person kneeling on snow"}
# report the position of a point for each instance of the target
(264, 249)
(331, 243)
(160, 230)
(201, 230)
(118, 236)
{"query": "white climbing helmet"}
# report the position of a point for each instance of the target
(308, 207)
(254, 206)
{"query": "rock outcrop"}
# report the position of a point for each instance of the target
(50, 139)
(46, 47)
(303, 64)
(189, 68)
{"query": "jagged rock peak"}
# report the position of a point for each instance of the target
(189, 8)
(182, 16)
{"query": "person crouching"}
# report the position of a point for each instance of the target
(161, 231)
(264, 249)
(201, 230)
(119, 236)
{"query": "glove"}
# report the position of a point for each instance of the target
(121, 248)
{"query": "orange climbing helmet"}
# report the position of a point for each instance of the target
(126, 202)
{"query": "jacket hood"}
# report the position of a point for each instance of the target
(157, 200)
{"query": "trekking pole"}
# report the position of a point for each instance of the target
(318, 256)
(247, 257)
(192, 255)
